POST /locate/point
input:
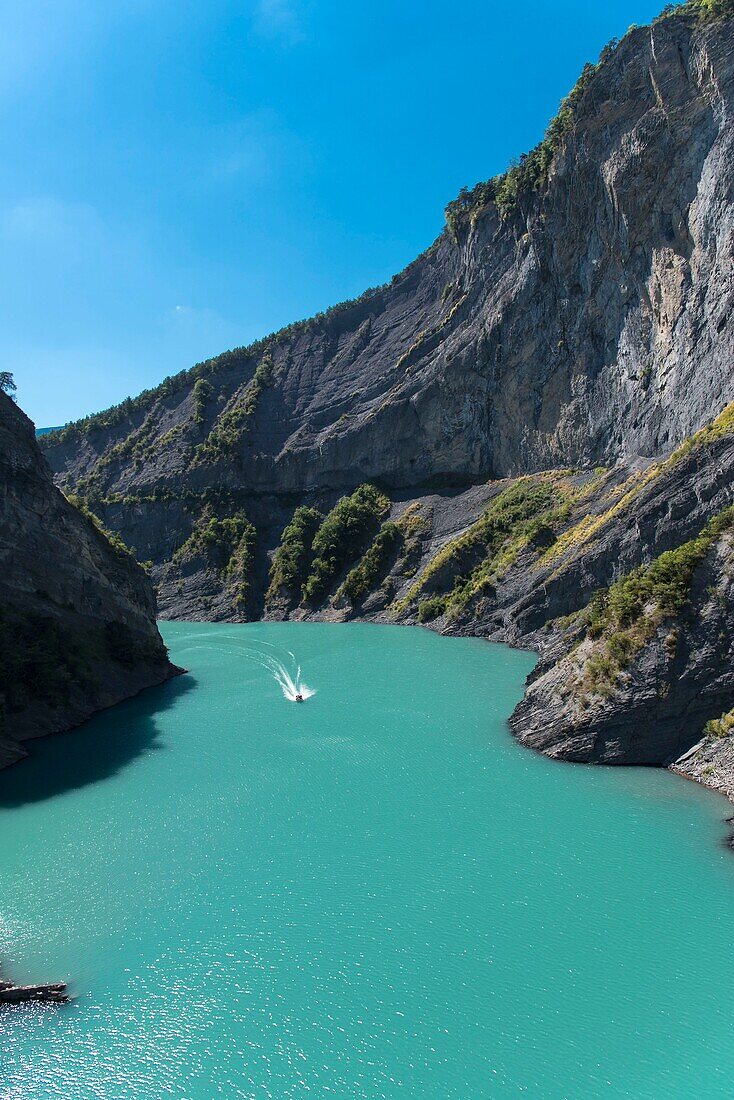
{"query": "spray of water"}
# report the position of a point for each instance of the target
(289, 679)
(286, 672)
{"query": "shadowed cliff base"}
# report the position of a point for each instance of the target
(93, 752)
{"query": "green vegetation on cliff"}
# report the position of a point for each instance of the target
(623, 618)
(581, 533)
(703, 9)
(720, 727)
(365, 575)
(7, 382)
(117, 544)
(226, 544)
(203, 393)
(469, 565)
(531, 172)
(175, 385)
(236, 420)
(289, 569)
(341, 537)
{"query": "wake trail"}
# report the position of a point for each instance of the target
(290, 681)
(286, 673)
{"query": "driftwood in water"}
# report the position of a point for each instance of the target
(53, 993)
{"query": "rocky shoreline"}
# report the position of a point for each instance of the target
(710, 763)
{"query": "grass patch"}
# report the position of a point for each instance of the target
(623, 618)
(525, 512)
(720, 727)
(586, 529)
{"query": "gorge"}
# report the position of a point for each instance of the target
(483, 509)
(527, 435)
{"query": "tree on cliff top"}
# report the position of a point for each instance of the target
(7, 383)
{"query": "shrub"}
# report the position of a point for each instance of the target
(225, 544)
(203, 392)
(624, 617)
(241, 561)
(366, 574)
(720, 727)
(291, 559)
(341, 537)
(663, 585)
(430, 609)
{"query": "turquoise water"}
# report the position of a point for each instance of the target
(376, 893)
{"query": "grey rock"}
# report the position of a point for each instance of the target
(77, 617)
(682, 678)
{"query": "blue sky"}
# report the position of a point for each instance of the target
(178, 178)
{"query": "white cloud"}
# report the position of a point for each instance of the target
(194, 316)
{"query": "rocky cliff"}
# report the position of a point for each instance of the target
(77, 613)
(541, 401)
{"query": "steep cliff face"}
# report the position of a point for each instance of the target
(591, 322)
(636, 677)
(531, 394)
(77, 614)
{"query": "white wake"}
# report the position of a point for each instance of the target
(286, 672)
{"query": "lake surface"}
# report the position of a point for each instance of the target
(375, 893)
